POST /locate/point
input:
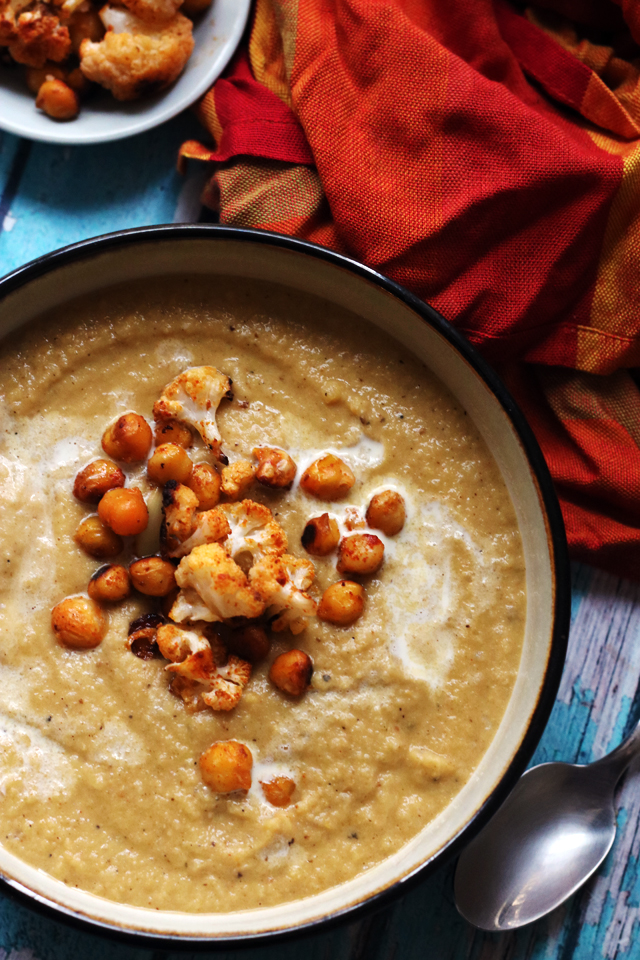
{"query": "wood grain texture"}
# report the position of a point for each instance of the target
(51, 196)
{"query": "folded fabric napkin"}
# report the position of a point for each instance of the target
(486, 156)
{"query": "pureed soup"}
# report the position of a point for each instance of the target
(101, 779)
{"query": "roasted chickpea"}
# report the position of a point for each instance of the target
(342, 603)
(291, 672)
(78, 82)
(169, 461)
(276, 469)
(361, 553)
(110, 583)
(97, 539)
(58, 100)
(124, 510)
(328, 478)
(78, 623)
(173, 431)
(205, 483)
(278, 790)
(226, 766)
(320, 536)
(142, 639)
(387, 512)
(128, 439)
(237, 478)
(153, 576)
(250, 643)
(85, 25)
(95, 479)
(191, 8)
(36, 76)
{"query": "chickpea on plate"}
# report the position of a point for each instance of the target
(67, 47)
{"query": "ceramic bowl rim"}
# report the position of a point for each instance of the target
(550, 509)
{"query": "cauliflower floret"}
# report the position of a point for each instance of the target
(179, 505)
(281, 582)
(9, 12)
(140, 59)
(197, 672)
(214, 588)
(39, 36)
(153, 11)
(253, 530)
(211, 526)
(194, 397)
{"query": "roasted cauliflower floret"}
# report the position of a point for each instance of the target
(153, 11)
(194, 397)
(9, 12)
(213, 588)
(253, 530)
(237, 478)
(38, 36)
(136, 58)
(199, 672)
(179, 505)
(282, 582)
(211, 526)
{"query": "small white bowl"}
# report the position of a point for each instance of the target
(216, 32)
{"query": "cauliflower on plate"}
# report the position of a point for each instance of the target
(211, 526)
(137, 57)
(33, 35)
(253, 530)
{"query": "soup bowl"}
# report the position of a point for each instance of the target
(245, 254)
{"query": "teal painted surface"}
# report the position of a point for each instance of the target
(66, 194)
(51, 196)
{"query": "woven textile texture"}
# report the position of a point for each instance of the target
(487, 156)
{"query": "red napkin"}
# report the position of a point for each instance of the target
(486, 156)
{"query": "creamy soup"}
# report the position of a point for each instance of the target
(99, 778)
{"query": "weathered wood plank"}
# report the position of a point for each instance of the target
(59, 195)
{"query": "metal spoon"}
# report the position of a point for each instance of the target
(553, 831)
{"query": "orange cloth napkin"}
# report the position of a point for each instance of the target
(486, 156)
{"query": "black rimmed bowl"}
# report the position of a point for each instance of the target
(210, 250)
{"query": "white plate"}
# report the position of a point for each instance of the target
(216, 32)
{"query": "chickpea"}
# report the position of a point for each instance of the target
(94, 480)
(153, 576)
(250, 643)
(124, 511)
(78, 623)
(361, 553)
(110, 583)
(342, 603)
(328, 478)
(173, 431)
(278, 790)
(276, 469)
(78, 82)
(128, 439)
(191, 8)
(237, 478)
(36, 76)
(320, 536)
(142, 639)
(97, 539)
(226, 766)
(291, 672)
(58, 100)
(387, 512)
(169, 462)
(84, 25)
(205, 483)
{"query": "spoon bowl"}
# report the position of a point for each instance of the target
(551, 834)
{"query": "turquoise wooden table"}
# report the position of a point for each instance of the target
(51, 196)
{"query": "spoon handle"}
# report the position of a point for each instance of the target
(616, 762)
